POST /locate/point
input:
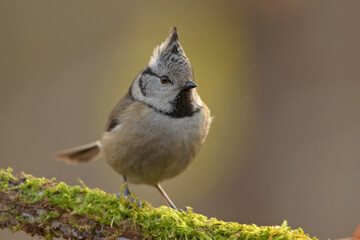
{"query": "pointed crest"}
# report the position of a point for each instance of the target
(173, 35)
(170, 45)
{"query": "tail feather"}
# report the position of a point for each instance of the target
(82, 154)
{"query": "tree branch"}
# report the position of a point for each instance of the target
(48, 209)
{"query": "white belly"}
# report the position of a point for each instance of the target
(150, 147)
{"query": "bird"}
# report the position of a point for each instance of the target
(156, 130)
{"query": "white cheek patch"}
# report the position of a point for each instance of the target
(156, 103)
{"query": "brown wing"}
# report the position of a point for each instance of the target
(113, 120)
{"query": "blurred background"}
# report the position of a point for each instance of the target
(280, 77)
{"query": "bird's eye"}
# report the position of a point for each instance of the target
(164, 79)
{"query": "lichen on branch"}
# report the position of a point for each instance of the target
(49, 209)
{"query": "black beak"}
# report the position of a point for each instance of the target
(189, 85)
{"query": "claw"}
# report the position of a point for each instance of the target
(185, 209)
(130, 198)
(125, 192)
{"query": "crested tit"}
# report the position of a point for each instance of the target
(156, 130)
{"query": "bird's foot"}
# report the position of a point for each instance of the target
(130, 198)
(185, 209)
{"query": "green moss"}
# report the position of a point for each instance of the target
(20, 218)
(77, 226)
(15, 228)
(48, 235)
(51, 215)
(5, 177)
(159, 223)
(31, 189)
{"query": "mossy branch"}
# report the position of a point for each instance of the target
(49, 209)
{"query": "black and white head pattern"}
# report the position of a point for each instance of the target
(161, 85)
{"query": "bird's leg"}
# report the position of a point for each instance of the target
(126, 193)
(166, 197)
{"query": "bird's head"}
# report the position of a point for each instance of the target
(167, 78)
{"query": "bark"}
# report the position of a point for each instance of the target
(49, 209)
(34, 219)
